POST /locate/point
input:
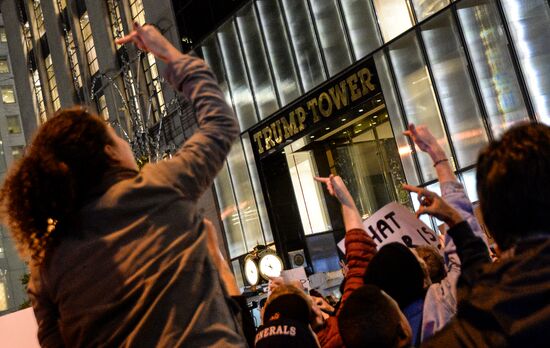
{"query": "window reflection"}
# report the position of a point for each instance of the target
(229, 214)
(331, 35)
(456, 93)
(262, 84)
(491, 60)
(304, 43)
(237, 76)
(529, 22)
(394, 17)
(426, 8)
(212, 56)
(396, 118)
(246, 204)
(280, 55)
(418, 96)
(361, 24)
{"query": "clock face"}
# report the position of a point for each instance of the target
(271, 266)
(251, 272)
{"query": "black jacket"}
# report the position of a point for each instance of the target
(502, 304)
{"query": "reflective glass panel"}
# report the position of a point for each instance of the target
(236, 75)
(394, 17)
(254, 52)
(212, 56)
(278, 47)
(426, 8)
(331, 34)
(396, 118)
(257, 187)
(529, 22)
(458, 99)
(469, 182)
(493, 66)
(304, 43)
(246, 204)
(229, 214)
(361, 23)
(418, 96)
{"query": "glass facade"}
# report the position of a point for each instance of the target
(467, 69)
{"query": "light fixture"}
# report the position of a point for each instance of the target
(378, 100)
(361, 110)
(343, 120)
(359, 125)
(375, 116)
(312, 136)
(328, 128)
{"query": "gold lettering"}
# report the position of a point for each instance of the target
(278, 134)
(365, 76)
(290, 127)
(258, 141)
(325, 112)
(339, 94)
(301, 117)
(354, 89)
(268, 135)
(312, 106)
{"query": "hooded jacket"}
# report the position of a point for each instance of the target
(502, 304)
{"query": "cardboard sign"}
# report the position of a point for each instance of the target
(395, 223)
(296, 275)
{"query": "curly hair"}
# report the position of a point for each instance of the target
(43, 189)
(513, 176)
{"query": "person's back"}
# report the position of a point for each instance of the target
(507, 303)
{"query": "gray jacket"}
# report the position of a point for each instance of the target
(137, 272)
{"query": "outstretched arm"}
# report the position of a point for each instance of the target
(337, 188)
(193, 168)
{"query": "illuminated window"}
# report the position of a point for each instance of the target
(3, 37)
(116, 19)
(17, 152)
(89, 43)
(61, 5)
(37, 84)
(4, 66)
(52, 83)
(138, 14)
(27, 35)
(8, 95)
(14, 125)
(102, 107)
(39, 17)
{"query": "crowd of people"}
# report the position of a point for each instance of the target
(122, 257)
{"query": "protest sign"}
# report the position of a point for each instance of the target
(395, 223)
(296, 275)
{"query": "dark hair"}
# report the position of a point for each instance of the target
(369, 319)
(65, 159)
(397, 271)
(434, 261)
(513, 184)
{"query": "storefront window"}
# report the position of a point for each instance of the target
(304, 43)
(280, 54)
(361, 24)
(529, 22)
(331, 35)
(396, 118)
(426, 8)
(229, 213)
(246, 204)
(254, 52)
(491, 60)
(237, 76)
(458, 100)
(418, 96)
(394, 17)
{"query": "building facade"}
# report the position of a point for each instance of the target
(329, 86)
(12, 143)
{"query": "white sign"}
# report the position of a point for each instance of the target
(395, 223)
(296, 275)
(19, 329)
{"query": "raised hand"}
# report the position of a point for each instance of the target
(433, 205)
(425, 141)
(336, 188)
(147, 38)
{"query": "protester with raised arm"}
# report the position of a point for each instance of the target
(440, 301)
(119, 257)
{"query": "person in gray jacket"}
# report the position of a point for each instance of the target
(119, 257)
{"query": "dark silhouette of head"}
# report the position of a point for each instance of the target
(513, 184)
(396, 271)
(370, 318)
(64, 161)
